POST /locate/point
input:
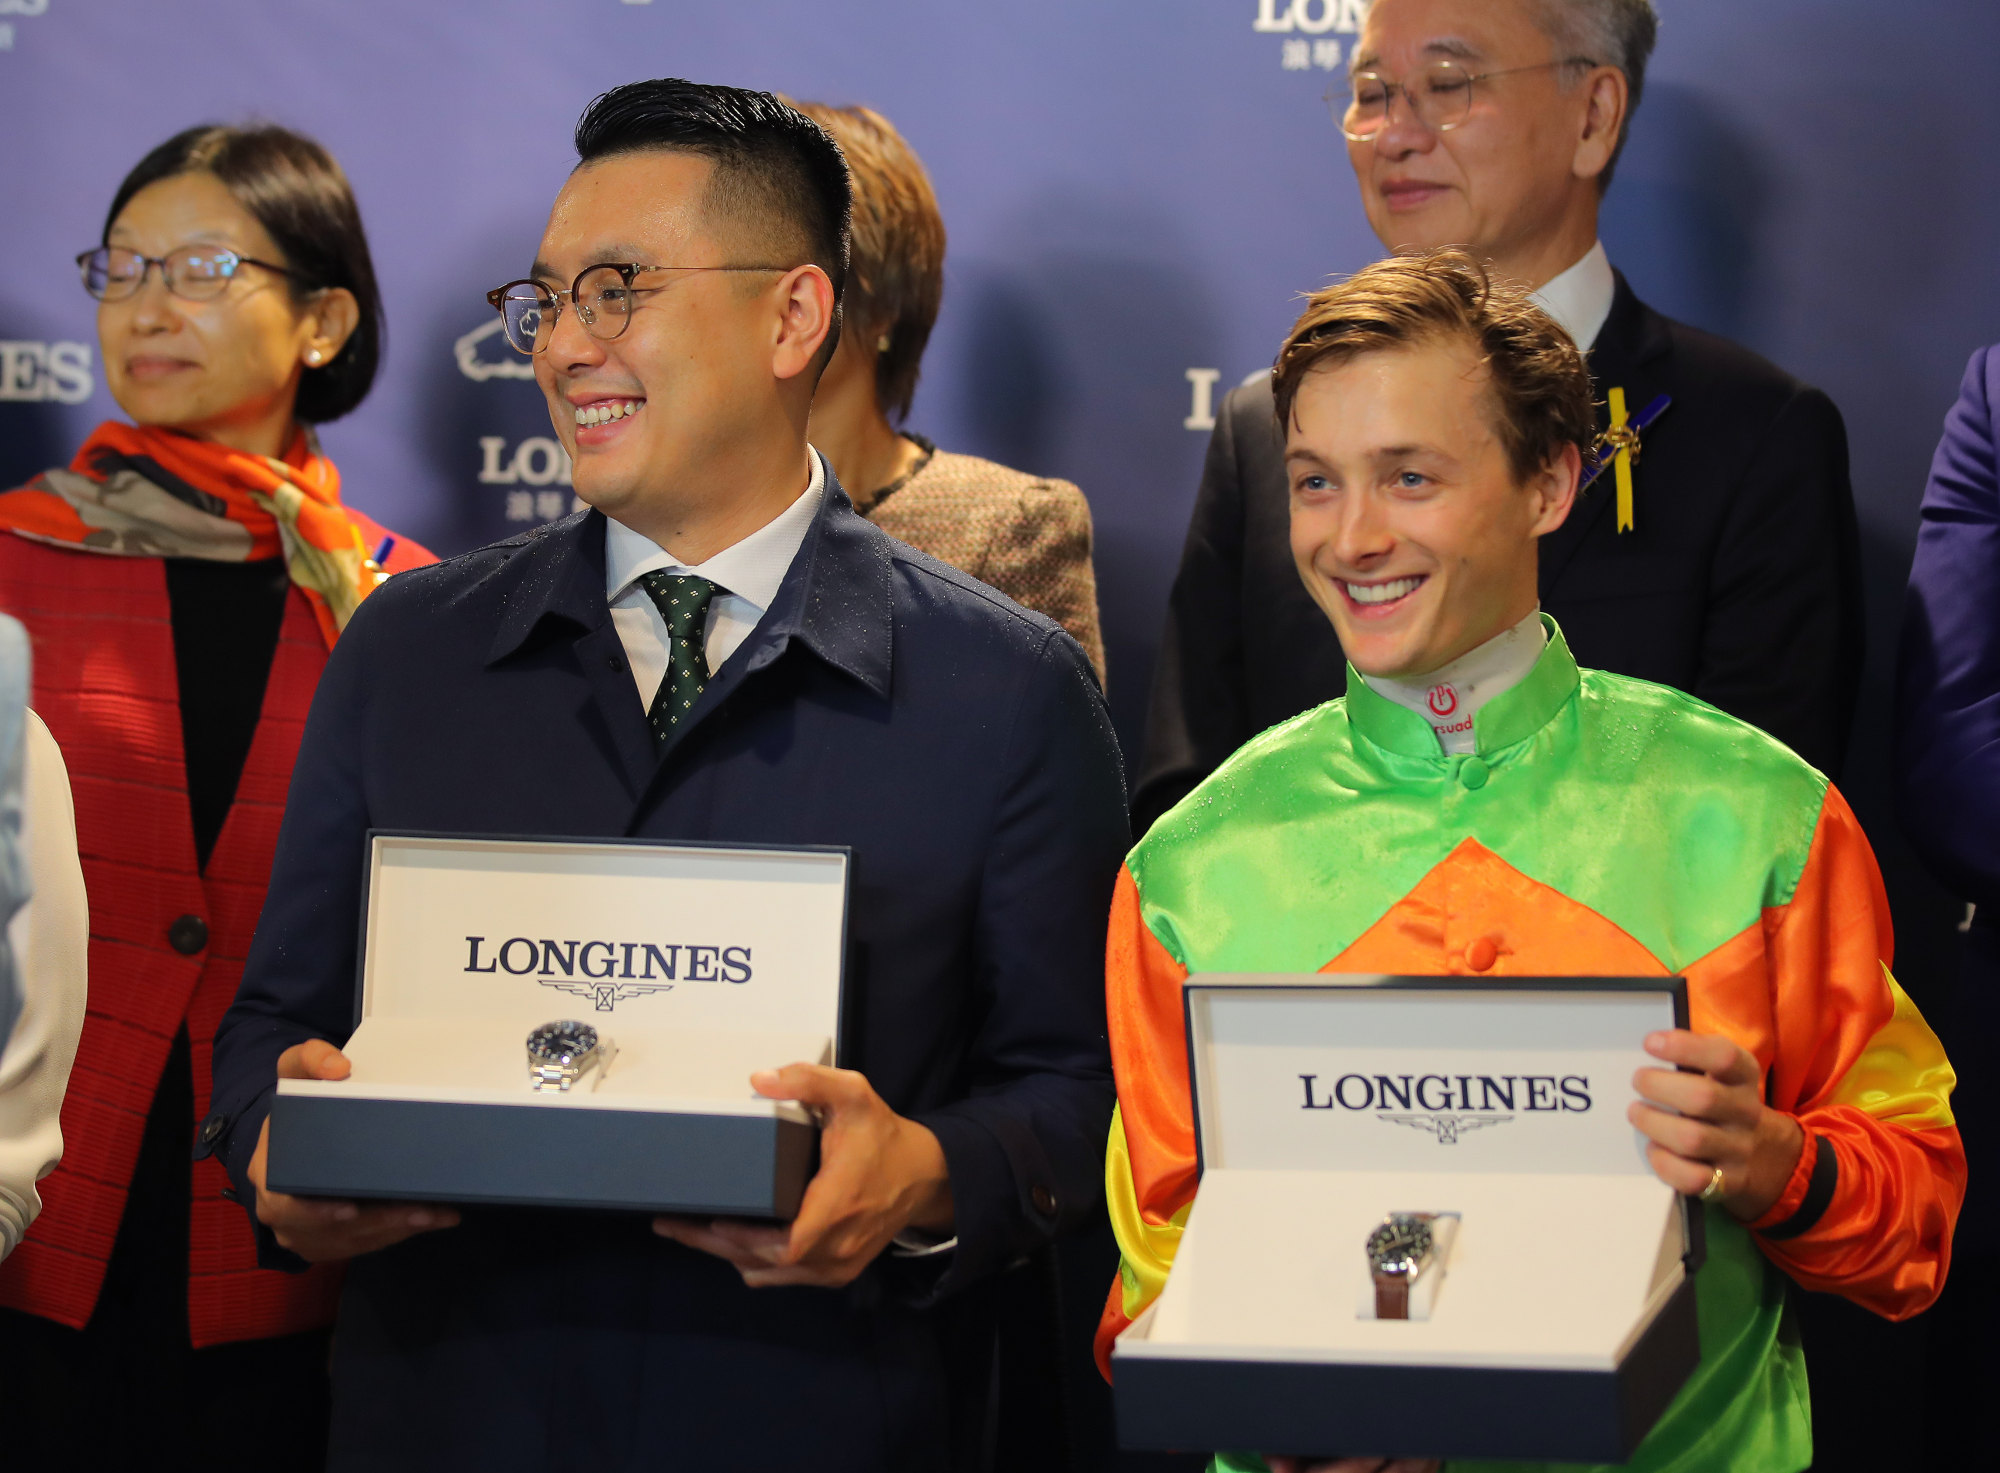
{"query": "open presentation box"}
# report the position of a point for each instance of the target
(1564, 1319)
(698, 964)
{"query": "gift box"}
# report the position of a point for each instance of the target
(696, 964)
(1557, 1317)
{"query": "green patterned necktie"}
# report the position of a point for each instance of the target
(682, 599)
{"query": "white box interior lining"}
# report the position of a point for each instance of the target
(1548, 1271)
(484, 1061)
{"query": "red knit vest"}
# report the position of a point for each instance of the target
(105, 682)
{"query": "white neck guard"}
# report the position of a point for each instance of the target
(1449, 697)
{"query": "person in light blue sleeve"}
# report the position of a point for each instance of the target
(13, 879)
(42, 943)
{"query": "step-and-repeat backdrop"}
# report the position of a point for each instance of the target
(1136, 193)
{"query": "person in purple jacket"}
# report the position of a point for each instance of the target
(1947, 761)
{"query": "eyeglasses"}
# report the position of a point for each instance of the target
(603, 295)
(193, 273)
(1440, 96)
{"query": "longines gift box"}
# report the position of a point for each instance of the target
(697, 965)
(1556, 1317)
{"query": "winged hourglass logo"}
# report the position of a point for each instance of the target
(604, 996)
(1446, 1127)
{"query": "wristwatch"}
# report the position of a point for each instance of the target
(559, 1052)
(1400, 1249)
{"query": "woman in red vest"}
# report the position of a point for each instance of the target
(182, 580)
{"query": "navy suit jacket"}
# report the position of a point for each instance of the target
(956, 743)
(1948, 740)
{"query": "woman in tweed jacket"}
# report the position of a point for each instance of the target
(1028, 536)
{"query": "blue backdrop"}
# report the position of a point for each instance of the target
(1136, 193)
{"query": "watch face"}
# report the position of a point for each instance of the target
(562, 1043)
(1399, 1245)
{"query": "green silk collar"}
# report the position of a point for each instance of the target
(1510, 717)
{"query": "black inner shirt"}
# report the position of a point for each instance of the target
(226, 619)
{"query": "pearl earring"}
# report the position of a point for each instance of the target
(313, 358)
(882, 343)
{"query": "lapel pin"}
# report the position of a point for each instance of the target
(1618, 449)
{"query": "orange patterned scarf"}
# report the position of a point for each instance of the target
(140, 492)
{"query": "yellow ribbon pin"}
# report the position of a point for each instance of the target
(1622, 467)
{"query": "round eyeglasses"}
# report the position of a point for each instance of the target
(193, 273)
(1439, 96)
(604, 297)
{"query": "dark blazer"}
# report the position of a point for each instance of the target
(956, 742)
(1948, 738)
(1739, 583)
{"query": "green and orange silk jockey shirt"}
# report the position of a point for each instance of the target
(1604, 826)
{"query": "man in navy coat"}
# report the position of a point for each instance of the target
(719, 649)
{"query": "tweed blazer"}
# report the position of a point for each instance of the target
(1028, 536)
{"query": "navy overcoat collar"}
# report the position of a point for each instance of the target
(835, 599)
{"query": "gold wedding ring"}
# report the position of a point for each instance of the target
(1714, 1188)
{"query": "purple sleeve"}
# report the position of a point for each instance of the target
(1948, 673)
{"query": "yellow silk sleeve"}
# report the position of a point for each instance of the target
(1145, 1249)
(1902, 1073)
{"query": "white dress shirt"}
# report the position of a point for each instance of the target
(1580, 298)
(746, 576)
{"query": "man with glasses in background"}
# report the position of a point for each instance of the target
(718, 649)
(1717, 553)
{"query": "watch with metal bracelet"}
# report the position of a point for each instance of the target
(558, 1053)
(1401, 1249)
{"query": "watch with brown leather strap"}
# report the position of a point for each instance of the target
(1401, 1249)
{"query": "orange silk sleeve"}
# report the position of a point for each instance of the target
(1869, 1209)
(1149, 1173)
